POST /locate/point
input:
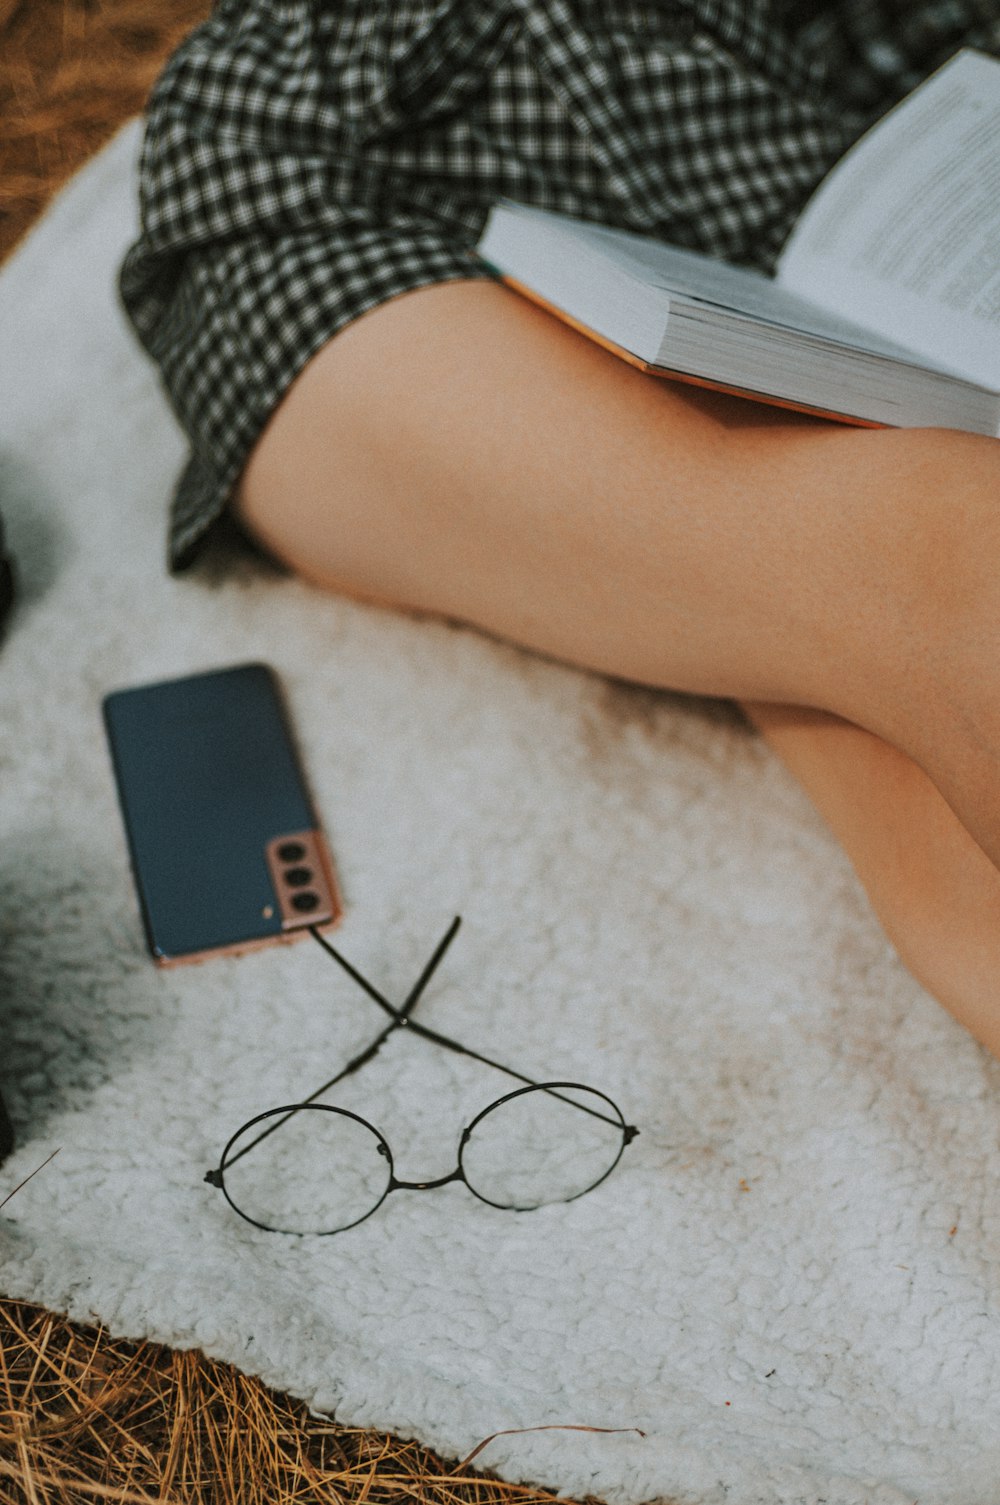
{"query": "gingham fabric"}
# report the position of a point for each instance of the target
(305, 160)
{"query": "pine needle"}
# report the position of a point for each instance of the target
(88, 1418)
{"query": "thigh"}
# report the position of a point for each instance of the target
(459, 451)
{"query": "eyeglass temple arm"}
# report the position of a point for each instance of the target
(214, 1177)
(402, 1016)
(464, 1050)
(361, 1059)
(475, 1055)
(399, 1018)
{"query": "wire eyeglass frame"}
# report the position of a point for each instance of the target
(401, 1018)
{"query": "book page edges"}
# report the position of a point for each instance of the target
(668, 373)
(901, 235)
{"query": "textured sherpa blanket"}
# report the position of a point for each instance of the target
(790, 1282)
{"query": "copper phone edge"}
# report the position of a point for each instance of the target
(283, 937)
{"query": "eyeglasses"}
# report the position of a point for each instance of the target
(311, 1167)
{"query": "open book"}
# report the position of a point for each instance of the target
(885, 308)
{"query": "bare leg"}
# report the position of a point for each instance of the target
(458, 451)
(934, 889)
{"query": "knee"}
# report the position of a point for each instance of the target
(941, 505)
(946, 489)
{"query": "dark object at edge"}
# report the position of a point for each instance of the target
(6, 581)
(6, 601)
(6, 1132)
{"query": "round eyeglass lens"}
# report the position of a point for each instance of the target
(306, 1169)
(544, 1144)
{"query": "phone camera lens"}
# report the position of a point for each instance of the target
(305, 902)
(298, 877)
(291, 851)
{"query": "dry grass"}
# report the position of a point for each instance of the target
(71, 72)
(85, 1418)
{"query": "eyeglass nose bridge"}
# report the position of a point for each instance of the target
(456, 1175)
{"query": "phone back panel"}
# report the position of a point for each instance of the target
(207, 776)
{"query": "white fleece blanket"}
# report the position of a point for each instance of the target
(789, 1284)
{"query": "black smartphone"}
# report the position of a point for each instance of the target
(226, 849)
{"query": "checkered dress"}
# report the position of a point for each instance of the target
(305, 160)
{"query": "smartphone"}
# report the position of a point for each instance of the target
(226, 849)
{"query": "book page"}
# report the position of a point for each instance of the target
(904, 234)
(691, 275)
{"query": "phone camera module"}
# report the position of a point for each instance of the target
(300, 878)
